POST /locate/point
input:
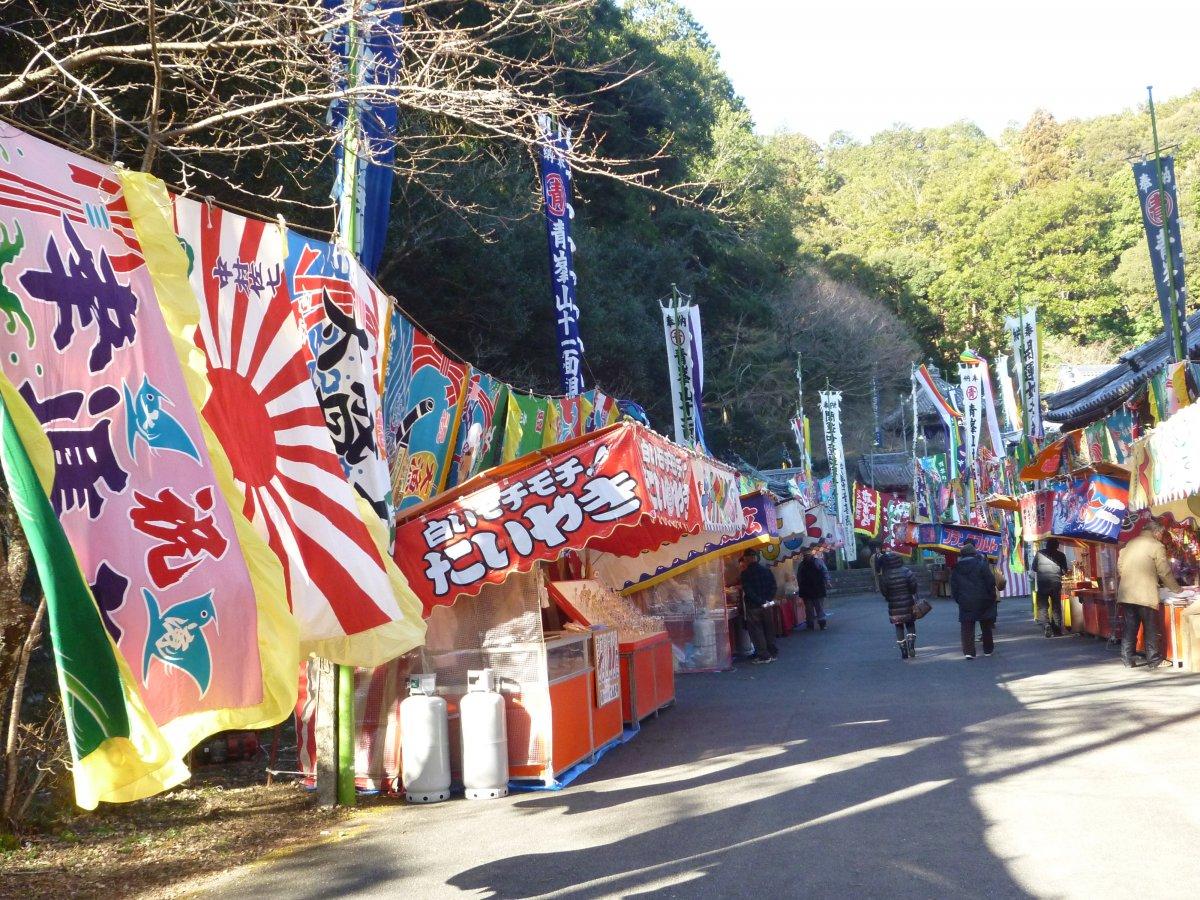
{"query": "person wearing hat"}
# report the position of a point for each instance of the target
(973, 587)
(1142, 566)
(758, 593)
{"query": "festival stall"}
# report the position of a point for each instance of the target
(1166, 484)
(497, 564)
(1083, 504)
(685, 584)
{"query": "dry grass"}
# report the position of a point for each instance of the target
(169, 845)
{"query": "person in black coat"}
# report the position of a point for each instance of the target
(898, 585)
(973, 586)
(758, 595)
(1049, 567)
(811, 585)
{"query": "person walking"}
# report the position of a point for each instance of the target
(758, 594)
(812, 583)
(1049, 567)
(898, 585)
(1141, 567)
(973, 587)
(873, 561)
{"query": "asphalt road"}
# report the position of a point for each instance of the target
(839, 771)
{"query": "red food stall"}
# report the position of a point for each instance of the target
(475, 556)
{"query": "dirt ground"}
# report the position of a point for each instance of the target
(168, 846)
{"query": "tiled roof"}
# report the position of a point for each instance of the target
(1095, 398)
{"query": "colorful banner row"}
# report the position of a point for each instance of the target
(220, 418)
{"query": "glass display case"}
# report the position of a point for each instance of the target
(567, 655)
(692, 608)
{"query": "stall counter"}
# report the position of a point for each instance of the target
(647, 677)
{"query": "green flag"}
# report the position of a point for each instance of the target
(526, 421)
(116, 751)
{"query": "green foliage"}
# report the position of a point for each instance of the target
(862, 256)
(950, 227)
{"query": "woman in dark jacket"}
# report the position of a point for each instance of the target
(898, 585)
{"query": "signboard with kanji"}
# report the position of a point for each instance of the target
(606, 647)
(578, 497)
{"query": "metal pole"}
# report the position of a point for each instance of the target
(344, 675)
(345, 735)
(1164, 212)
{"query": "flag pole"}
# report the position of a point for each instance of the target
(345, 674)
(1164, 212)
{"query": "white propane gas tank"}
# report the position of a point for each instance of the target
(425, 748)
(484, 739)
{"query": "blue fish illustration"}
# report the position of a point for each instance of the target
(145, 418)
(176, 638)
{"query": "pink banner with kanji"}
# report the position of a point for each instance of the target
(868, 510)
(87, 346)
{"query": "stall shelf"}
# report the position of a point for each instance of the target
(647, 677)
(644, 647)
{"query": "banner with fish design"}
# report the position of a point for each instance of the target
(565, 419)
(1092, 507)
(129, 475)
(525, 426)
(423, 394)
(604, 410)
(350, 601)
(480, 427)
(339, 320)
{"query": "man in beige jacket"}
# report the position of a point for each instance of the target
(1142, 565)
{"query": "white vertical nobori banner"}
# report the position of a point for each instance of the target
(1024, 334)
(831, 416)
(685, 364)
(1012, 415)
(989, 410)
(970, 382)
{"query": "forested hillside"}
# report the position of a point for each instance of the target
(859, 255)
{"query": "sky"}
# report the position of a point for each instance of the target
(864, 65)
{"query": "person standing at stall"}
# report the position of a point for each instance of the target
(758, 590)
(1049, 567)
(973, 587)
(1141, 567)
(898, 585)
(812, 583)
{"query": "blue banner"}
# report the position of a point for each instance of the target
(1158, 209)
(1092, 508)
(366, 53)
(556, 192)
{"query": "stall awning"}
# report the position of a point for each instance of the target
(621, 490)
(629, 574)
(1166, 464)
(952, 537)
(1090, 506)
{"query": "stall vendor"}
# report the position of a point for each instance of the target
(1142, 565)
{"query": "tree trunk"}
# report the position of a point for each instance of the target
(11, 762)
